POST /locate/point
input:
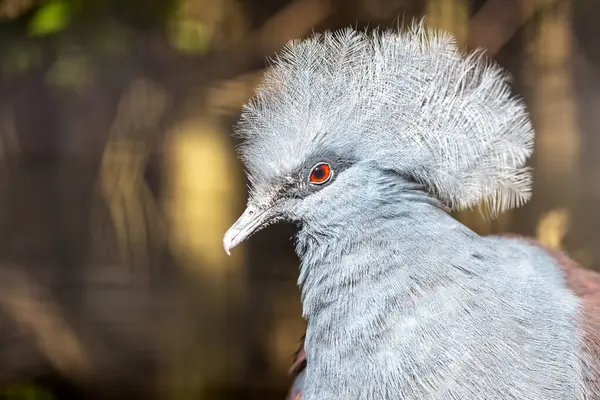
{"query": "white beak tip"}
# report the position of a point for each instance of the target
(227, 247)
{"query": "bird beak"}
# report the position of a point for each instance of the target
(248, 223)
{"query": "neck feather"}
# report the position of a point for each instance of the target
(400, 290)
(395, 247)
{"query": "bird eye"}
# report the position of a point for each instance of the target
(320, 173)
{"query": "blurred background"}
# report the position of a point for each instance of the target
(118, 178)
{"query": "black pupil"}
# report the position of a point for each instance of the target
(319, 173)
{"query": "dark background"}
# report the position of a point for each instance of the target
(118, 178)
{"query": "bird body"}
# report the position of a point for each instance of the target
(366, 141)
(583, 283)
(439, 310)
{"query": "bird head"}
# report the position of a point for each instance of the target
(340, 115)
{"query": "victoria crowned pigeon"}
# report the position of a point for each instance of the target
(366, 141)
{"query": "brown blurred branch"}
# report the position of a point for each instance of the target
(294, 21)
(33, 309)
(10, 9)
(134, 214)
(499, 20)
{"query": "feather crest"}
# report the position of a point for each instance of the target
(408, 99)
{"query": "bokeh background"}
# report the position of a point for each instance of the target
(118, 178)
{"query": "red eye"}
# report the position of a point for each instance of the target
(320, 173)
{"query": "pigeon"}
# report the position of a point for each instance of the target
(367, 141)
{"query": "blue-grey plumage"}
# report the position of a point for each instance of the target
(366, 141)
